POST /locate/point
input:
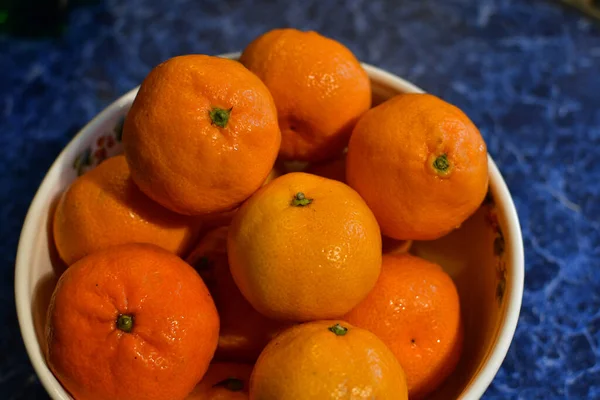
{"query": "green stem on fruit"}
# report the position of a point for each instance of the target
(441, 165)
(219, 116)
(125, 322)
(300, 200)
(338, 329)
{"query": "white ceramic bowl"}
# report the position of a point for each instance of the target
(484, 256)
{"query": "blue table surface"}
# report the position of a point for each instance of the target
(527, 73)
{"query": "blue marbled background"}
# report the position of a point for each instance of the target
(526, 71)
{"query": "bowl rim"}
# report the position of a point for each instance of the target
(504, 201)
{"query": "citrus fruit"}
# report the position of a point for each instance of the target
(131, 322)
(201, 135)
(414, 308)
(303, 248)
(223, 381)
(319, 87)
(420, 164)
(327, 360)
(215, 220)
(104, 207)
(244, 331)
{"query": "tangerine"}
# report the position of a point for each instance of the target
(414, 308)
(319, 87)
(304, 247)
(201, 135)
(131, 322)
(420, 164)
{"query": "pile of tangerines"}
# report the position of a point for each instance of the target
(199, 267)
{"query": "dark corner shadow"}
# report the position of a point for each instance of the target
(49, 20)
(589, 9)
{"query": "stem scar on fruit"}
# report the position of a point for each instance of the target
(338, 329)
(300, 200)
(441, 165)
(125, 322)
(219, 116)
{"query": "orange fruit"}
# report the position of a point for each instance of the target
(420, 164)
(333, 169)
(303, 248)
(201, 135)
(104, 207)
(223, 381)
(415, 310)
(131, 322)
(215, 220)
(319, 87)
(327, 360)
(244, 331)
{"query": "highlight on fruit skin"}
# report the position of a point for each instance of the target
(304, 247)
(104, 208)
(201, 135)
(426, 332)
(327, 359)
(130, 322)
(319, 87)
(420, 164)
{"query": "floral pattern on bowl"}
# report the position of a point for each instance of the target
(106, 145)
(491, 216)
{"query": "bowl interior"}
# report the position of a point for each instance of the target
(484, 256)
